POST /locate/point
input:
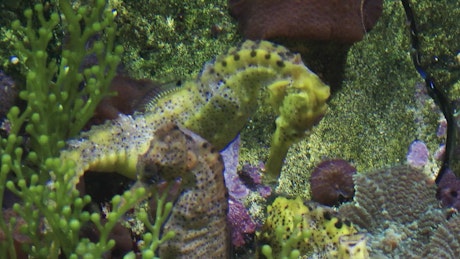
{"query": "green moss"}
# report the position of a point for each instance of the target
(439, 39)
(374, 117)
(173, 38)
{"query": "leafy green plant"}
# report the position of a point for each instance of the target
(153, 238)
(60, 97)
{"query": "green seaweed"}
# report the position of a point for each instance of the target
(153, 238)
(50, 212)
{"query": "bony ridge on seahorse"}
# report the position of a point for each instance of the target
(216, 106)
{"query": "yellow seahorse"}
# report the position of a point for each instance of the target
(216, 106)
(328, 235)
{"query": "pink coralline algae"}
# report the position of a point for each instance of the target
(230, 156)
(331, 182)
(241, 224)
(449, 191)
(442, 129)
(439, 153)
(251, 176)
(418, 154)
(249, 179)
(239, 185)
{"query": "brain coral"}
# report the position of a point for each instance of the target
(445, 243)
(399, 210)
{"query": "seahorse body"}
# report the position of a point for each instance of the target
(352, 246)
(199, 215)
(216, 106)
(330, 235)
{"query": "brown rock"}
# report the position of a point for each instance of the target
(344, 21)
(322, 31)
(128, 95)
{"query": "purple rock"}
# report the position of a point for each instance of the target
(418, 154)
(230, 156)
(442, 129)
(264, 190)
(439, 153)
(449, 191)
(239, 184)
(251, 175)
(8, 93)
(242, 226)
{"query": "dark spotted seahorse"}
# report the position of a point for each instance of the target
(215, 106)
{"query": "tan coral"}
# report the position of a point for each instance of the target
(398, 208)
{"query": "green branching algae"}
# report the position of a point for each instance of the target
(154, 235)
(51, 212)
